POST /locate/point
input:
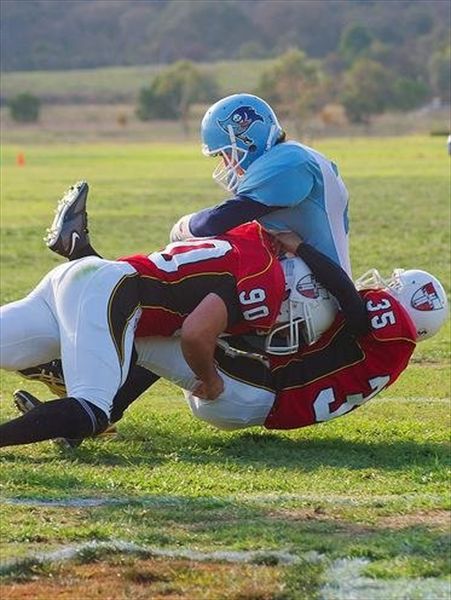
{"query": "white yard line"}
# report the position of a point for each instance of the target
(265, 499)
(344, 578)
(344, 581)
(118, 546)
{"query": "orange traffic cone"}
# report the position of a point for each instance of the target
(20, 159)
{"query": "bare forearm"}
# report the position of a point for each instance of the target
(198, 340)
(199, 354)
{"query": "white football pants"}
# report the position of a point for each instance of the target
(73, 313)
(240, 405)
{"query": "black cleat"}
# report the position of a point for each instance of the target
(51, 374)
(25, 402)
(69, 230)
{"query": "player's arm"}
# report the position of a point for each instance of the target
(334, 279)
(198, 340)
(218, 219)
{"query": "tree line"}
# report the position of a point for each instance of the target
(47, 34)
(299, 86)
(296, 85)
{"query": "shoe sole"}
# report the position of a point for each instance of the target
(23, 402)
(67, 201)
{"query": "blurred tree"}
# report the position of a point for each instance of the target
(173, 91)
(439, 72)
(367, 90)
(408, 93)
(355, 42)
(292, 85)
(25, 108)
(46, 34)
(249, 50)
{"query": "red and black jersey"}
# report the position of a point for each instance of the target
(340, 372)
(240, 267)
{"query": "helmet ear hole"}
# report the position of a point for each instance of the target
(252, 148)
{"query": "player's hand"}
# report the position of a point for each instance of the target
(289, 241)
(181, 230)
(209, 390)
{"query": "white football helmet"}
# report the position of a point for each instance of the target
(306, 313)
(420, 293)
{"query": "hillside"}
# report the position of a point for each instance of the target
(75, 34)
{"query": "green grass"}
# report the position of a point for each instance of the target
(372, 485)
(121, 84)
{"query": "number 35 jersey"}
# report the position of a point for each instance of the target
(241, 267)
(339, 372)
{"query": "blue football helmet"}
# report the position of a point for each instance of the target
(239, 129)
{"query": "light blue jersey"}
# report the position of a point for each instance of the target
(311, 194)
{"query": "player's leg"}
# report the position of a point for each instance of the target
(29, 332)
(97, 309)
(95, 303)
(246, 400)
(68, 234)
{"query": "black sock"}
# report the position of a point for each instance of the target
(138, 381)
(87, 250)
(65, 417)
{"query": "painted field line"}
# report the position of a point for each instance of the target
(343, 577)
(407, 399)
(261, 499)
(75, 551)
(345, 581)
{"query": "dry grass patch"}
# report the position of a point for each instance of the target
(141, 579)
(437, 519)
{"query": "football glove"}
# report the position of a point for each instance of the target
(181, 230)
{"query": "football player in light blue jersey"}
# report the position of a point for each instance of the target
(283, 184)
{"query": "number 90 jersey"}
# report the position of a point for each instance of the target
(339, 372)
(241, 267)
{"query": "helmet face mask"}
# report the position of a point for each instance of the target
(228, 171)
(240, 128)
(307, 312)
(419, 293)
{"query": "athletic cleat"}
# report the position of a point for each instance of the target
(25, 401)
(69, 230)
(51, 374)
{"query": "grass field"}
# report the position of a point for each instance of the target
(119, 84)
(355, 508)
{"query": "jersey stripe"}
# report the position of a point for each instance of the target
(122, 305)
(342, 352)
(245, 369)
(182, 296)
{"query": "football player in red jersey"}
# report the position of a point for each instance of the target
(367, 347)
(86, 311)
(365, 350)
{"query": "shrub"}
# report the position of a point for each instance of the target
(25, 108)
